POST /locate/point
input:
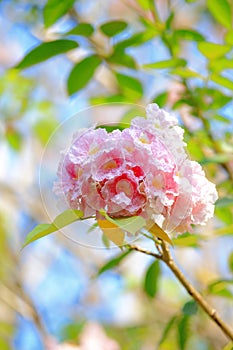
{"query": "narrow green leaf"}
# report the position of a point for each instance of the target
(84, 29)
(106, 241)
(45, 51)
(221, 118)
(230, 262)
(186, 73)
(221, 11)
(172, 63)
(113, 262)
(189, 34)
(132, 224)
(82, 73)
(167, 329)
(151, 279)
(218, 158)
(64, 219)
(190, 308)
(226, 230)
(55, 9)
(183, 332)
(130, 86)
(220, 288)
(113, 27)
(135, 40)
(219, 79)
(213, 51)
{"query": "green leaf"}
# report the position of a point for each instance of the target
(132, 224)
(172, 63)
(161, 99)
(82, 73)
(158, 232)
(45, 51)
(224, 202)
(111, 128)
(221, 64)
(189, 34)
(221, 118)
(225, 215)
(190, 308)
(106, 241)
(219, 79)
(213, 51)
(84, 29)
(131, 87)
(218, 158)
(108, 99)
(167, 329)
(135, 40)
(221, 11)
(113, 262)
(226, 230)
(183, 332)
(151, 279)
(14, 139)
(186, 73)
(229, 37)
(55, 9)
(230, 262)
(220, 288)
(120, 58)
(112, 232)
(186, 240)
(131, 113)
(145, 4)
(64, 219)
(113, 27)
(229, 346)
(44, 128)
(216, 98)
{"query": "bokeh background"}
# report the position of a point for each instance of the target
(176, 53)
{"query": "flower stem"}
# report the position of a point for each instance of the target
(166, 257)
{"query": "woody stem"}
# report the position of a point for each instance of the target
(166, 257)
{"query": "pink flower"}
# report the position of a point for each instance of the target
(143, 170)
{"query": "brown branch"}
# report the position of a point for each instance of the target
(166, 257)
(212, 313)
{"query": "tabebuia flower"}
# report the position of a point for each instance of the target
(143, 170)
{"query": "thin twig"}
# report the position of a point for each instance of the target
(144, 251)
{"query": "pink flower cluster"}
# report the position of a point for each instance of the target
(142, 170)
